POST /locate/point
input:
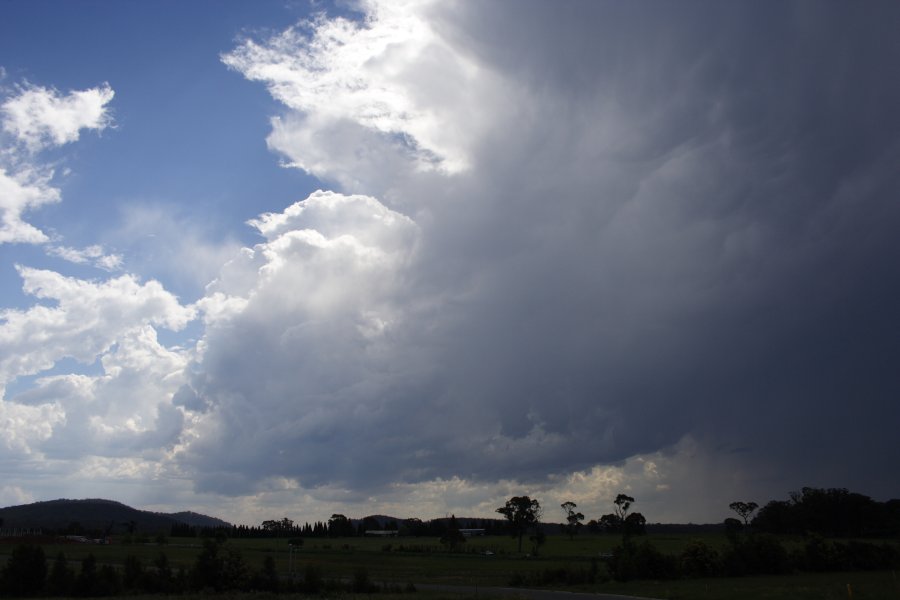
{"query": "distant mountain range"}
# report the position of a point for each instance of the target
(97, 515)
(105, 517)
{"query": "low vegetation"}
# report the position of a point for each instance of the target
(624, 558)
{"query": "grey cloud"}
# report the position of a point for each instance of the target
(188, 398)
(685, 224)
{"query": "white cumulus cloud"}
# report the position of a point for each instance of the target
(393, 74)
(33, 119)
(40, 117)
(93, 255)
(125, 411)
(20, 191)
(83, 319)
(297, 323)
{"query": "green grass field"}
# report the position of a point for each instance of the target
(871, 585)
(424, 560)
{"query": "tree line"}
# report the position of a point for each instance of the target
(753, 549)
(217, 568)
(832, 512)
(830, 522)
(828, 512)
(338, 525)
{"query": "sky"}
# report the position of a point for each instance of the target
(413, 257)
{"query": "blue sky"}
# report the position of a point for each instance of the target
(288, 259)
(183, 136)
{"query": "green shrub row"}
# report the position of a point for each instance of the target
(217, 569)
(746, 555)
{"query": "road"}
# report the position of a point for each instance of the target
(523, 593)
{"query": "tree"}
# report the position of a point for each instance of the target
(621, 521)
(733, 529)
(522, 512)
(369, 523)
(61, 578)
(610, 523)
(537, 540)
(133, 573)
(453, 537)
(267, 578)
(235, 573)
(109, 583)
(833, 512)
(573, 519)
(160, 577)
(412, 526)
(634, 524)
(744, 510)
(26, 571)
(207, 571)
(87, 582)
(623, 503)
(283, 527)
(340, 526)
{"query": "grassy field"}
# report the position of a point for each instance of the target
(491, 561)
(399, 560)
(871, 585)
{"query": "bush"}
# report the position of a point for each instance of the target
(757, 555)
(86, 583)
(159, 578)
(818, 555)
(700, 560)
(267, 578)
(133, 575)
(312, 579)
(641, 561)
(235, 574)
(207, 571)
(61, 578)
(868, 557)
(108, 582)
(361, 582)
(25, 572)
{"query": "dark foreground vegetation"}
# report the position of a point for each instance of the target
(815, 532)
(216, 568)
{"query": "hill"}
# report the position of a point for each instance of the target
(96, 516)
(193, 519)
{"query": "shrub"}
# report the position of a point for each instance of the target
(869, 557)
(641, 561)
(108, 582)
(61, 578)
(361, 582)
(757, 555)
(700, 560)
(25, 572)
(235, 574)
(818, 555)
(159, 578)
(312, 579)
(560, 576)
(133, 575)
(267, 578)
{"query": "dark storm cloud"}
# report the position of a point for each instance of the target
(727, 267)
(680, 220)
